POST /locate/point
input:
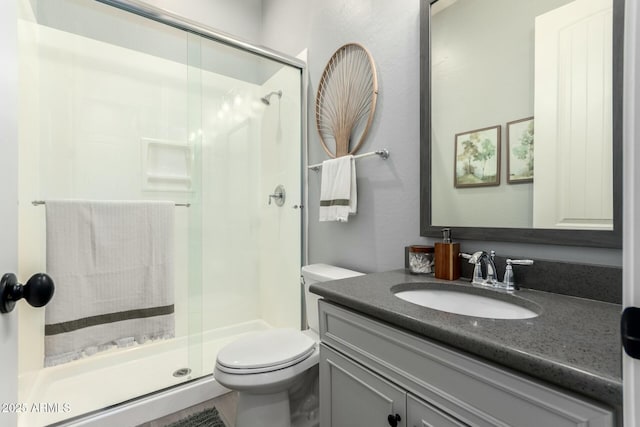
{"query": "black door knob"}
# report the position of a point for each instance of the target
(394, 419)
(630, 331)
(38, 291)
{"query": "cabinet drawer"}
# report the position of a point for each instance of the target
(421, 414)
(478, 393)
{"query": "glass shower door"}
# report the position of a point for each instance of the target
(106, 101)
(251, 243)
(116, 107)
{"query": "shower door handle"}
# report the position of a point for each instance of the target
(38, 291)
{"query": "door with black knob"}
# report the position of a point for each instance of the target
(351, 395)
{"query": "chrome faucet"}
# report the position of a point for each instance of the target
(481, 257)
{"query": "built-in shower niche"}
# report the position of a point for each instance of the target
(166, 165)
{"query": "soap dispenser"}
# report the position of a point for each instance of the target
(447, 260)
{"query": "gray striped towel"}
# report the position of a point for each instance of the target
(112, 263)
(338, 194)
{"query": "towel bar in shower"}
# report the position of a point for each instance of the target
(384, 154)
(42, 202)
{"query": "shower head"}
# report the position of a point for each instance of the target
(265, 99)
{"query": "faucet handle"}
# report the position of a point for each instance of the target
(477, 270)
(475, 257)
(520, 261)
(508, 281)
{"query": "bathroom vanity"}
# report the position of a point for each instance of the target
(386, 361)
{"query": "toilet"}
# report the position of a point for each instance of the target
(262, 366)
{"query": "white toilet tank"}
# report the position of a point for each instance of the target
(313, 273)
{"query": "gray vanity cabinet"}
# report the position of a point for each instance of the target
(370, 370)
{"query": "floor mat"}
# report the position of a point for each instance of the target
(207, 418)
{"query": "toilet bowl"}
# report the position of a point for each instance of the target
(263, 366)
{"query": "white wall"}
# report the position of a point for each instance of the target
(280, 226)
(230, 200)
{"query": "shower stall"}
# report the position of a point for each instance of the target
(121, 101)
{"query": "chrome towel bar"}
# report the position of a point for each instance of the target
(384, 154)
(42, 202)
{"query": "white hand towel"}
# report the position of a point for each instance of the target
(338, 195)
(112, 263)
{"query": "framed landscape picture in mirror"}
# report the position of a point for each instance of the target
(477, 158)
(520, 151)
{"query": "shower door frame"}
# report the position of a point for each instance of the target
(168, 18)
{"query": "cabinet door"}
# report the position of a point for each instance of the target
(353, 396)
(421, 414)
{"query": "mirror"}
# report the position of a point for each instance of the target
(521, 115)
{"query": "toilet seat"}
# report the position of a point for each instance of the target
(265, 352)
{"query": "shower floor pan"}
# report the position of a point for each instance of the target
(72, 389)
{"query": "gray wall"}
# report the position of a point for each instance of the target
(388, 198)
(388, 191)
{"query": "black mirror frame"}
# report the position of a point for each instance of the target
(590, 238)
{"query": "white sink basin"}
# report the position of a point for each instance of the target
(468, 304)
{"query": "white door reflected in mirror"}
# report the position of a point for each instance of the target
(573, 111)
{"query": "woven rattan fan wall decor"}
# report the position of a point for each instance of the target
(346, 99)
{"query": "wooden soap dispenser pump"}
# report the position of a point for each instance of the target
(447, 260)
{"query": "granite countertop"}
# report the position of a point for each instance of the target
(574, 343)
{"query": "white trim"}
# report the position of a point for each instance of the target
(151, 407)
(9, 202)
(631, 205)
